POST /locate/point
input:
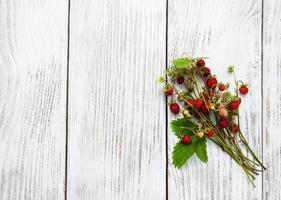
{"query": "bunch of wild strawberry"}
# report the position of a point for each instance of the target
(208, 110)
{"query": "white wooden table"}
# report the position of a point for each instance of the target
(83, 118)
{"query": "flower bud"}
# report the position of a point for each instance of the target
(231, 68)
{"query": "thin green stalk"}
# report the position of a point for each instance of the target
(247, 172)
(225, 144)
(248, 147)
(239, 150)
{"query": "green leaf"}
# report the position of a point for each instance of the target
(201, 150)
(181, 62)
(182, 126)
(194, 138)
(181, 153)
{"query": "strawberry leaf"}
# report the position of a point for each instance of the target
(181, 62)
(182, 126)
(200, 149)
(181, 153)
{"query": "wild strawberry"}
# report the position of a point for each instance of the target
(222, 87)
(210, 133)
(223, 112)
(197, 103)
(189, 102)
(243, 89)
(205, 107)
(212, 106)
(200, 63)
(233, 105)
(175, 108)
(211, 82)
(206, 71)
(235, 128)
(169, 90)
(239, 101)
(223, 123)
(200, 134)
(186, 113)
(186, 139)
(180, 80)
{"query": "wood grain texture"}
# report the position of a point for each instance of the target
(229, 32)
(272, 96)
(116, 108)
(116, 147)
(33, 49)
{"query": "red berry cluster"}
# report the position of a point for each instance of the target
(209, 105)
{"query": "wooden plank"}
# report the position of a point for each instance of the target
(271, 105)
(116, 108)
(33, 54)
(230, 33)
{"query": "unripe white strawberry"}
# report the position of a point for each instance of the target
(186, 113)
(212, 107)
(200, 134)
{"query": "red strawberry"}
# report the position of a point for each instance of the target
(180, 80)
(243, 89)
(211, 82)
(200, 63)
(189, 102)
(205, 107)
(206, 71)
(222, 87)
(235, 128)
(175, 108)
(186, 139)
(210, 133)
(223, 123)
(169, 90)
(239, 101)
(233, 105)
(197, 103)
